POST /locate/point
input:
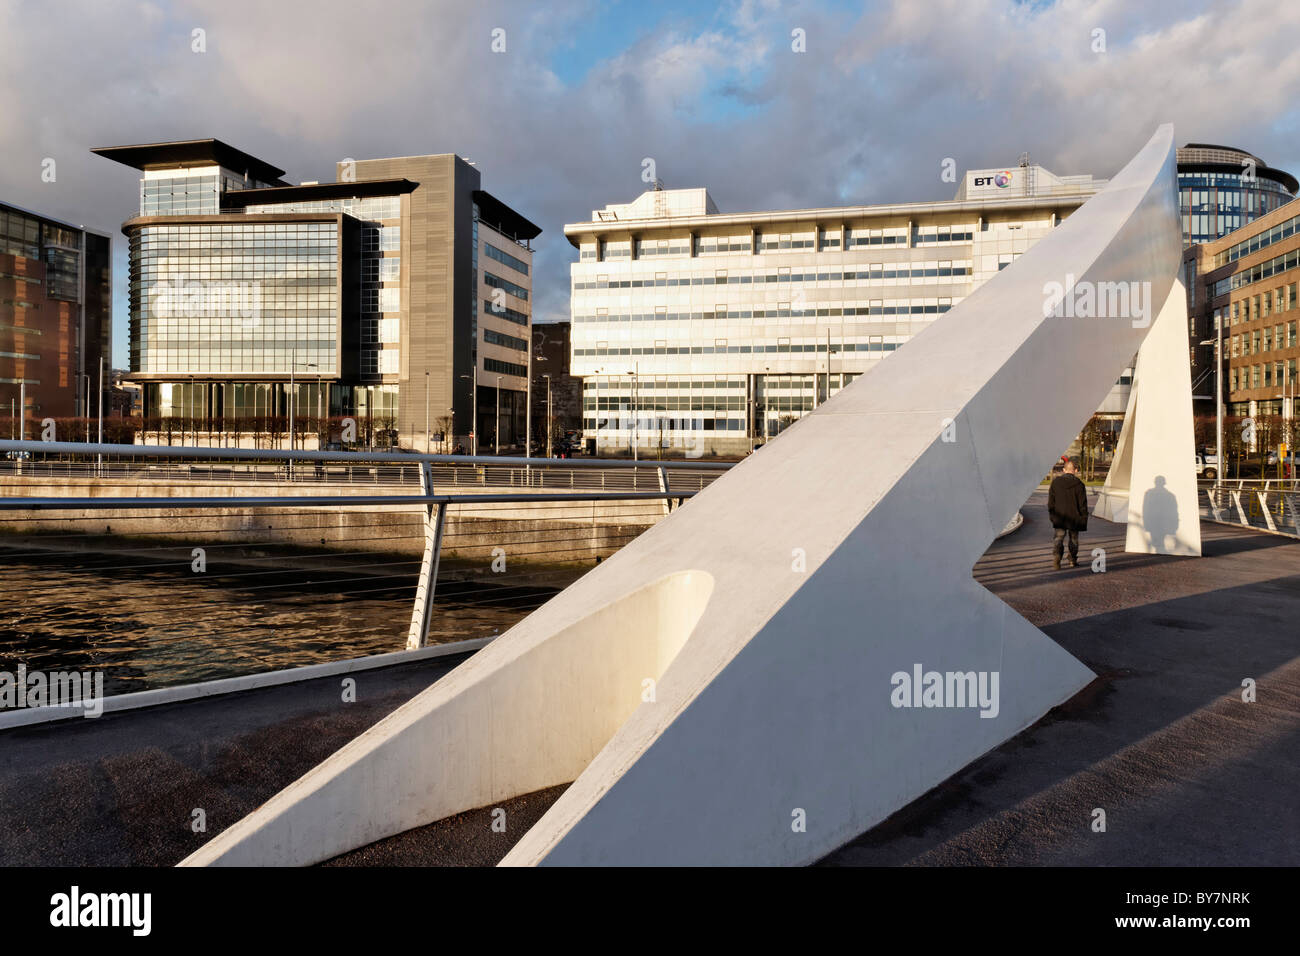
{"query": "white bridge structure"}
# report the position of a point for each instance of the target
(735, 685)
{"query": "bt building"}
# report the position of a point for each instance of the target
(702, 332)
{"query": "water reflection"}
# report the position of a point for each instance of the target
(148, 623)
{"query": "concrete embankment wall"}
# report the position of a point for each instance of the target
(541, 533)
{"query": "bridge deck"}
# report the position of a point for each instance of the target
(1187, 773)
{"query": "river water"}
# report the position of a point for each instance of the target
(146, 622)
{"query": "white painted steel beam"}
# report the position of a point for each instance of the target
(724, 688)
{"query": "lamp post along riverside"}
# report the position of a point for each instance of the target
(496, 425)
(550, 421)
(473, 425)
(528, 400)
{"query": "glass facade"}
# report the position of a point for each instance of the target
(380, 272)
(237, 298)
(1222, 189)
(55, 312)
(181, 195)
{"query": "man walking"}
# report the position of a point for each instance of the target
(1067, 506)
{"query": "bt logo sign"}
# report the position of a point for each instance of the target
(1002, 180)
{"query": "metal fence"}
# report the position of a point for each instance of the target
(137, 556)
(1270, 504)
(360, 468)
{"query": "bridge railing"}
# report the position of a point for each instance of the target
(109, 529)
(1269, 504)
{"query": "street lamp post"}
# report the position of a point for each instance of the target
(496, 427)
(1220, 458)
(550, 422)
(427, 436)
(100, 435)
(636, 411)
(85, 403)
(293, 365)
(473, 433)
(528, 401)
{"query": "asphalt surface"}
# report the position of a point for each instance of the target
(1188, 774)
(121, 789)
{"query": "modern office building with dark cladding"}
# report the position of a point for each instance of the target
(383, 296)
(55, 316)
(1221, 189)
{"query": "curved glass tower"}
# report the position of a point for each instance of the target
(1221, 189)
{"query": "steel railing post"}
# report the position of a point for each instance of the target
(435, 518)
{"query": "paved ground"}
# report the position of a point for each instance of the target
(121, 789)
(1186, 772)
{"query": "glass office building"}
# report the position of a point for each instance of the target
(700, 332)
(1221, 189)
(55, 316)
(356, 297)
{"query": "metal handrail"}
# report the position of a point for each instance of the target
(114, 503)
(277, 454)
(435, 506)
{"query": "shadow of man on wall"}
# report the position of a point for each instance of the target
(1160, 517)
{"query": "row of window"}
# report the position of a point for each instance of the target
(650, 426)
(875, 272)
(921, 235)
(182, 195)
(505, 285)
(505, 368)
(1268, 375)
(505, 258)
(505, 312)
(737, 349)
(369, 208)
(782, 311)
(1257, 273)
(1263, 240)
(506, 341)
(1264, 340)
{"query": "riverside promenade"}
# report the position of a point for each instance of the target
(1187, 773)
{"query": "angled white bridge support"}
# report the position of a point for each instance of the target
(735, 686)
(1163, 516)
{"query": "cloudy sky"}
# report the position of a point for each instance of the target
(560, 122)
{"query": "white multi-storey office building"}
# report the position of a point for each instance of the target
(703, 332)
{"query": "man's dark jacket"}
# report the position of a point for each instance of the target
(1067, 503)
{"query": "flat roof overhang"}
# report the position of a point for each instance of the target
(188, 153)
(574, 231)
(504, 219)
(1289, 182)
(361, 189)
